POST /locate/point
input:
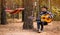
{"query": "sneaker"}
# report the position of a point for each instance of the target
(42, 31)
(39, 31)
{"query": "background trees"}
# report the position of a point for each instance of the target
(53, 5)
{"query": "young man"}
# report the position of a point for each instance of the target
(44, 10)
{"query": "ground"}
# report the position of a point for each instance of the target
(15, 28)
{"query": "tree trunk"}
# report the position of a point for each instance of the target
(28, 23)
(23, 11)
(3, 13)
(0, 12)
(23, 15)
(37, 8)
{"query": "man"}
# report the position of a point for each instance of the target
(44, 10)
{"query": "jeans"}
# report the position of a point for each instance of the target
(40, 24)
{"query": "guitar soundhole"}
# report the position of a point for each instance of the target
(43, 17)
(48, 19)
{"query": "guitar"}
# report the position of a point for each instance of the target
(45, 18)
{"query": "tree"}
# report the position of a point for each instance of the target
(28, 23)
(3, 13)
(0, 11)
(23, 10)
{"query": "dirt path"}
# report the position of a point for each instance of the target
(16, 29)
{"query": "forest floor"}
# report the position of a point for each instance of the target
(16, 28)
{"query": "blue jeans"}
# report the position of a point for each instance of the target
(40, 24)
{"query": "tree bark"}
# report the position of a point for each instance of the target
(38, 7)
(23, 16)
(23, 11)
(3, 13)
(28, 23)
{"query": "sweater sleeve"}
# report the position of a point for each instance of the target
(50, 14)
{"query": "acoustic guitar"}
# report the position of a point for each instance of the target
(45, 18)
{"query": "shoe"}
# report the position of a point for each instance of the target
(42, 31)
(39, 31)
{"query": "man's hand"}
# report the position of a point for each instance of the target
(49, 17)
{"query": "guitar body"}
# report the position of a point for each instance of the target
(45, 18)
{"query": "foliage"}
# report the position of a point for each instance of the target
(56, 12)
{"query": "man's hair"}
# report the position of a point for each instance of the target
(44, 7)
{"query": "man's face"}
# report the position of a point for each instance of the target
(43, 9)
